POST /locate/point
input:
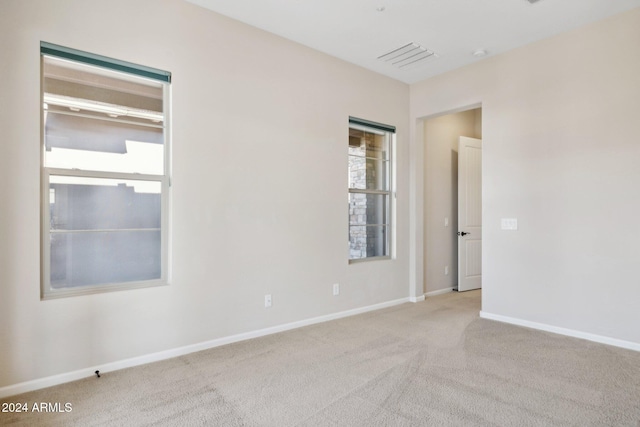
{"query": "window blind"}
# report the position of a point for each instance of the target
(103, 61)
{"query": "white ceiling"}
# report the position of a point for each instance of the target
(355, 31)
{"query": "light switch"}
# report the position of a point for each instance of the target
(509, 223)
(446, 222)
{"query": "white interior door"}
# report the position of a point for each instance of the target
(469, 214)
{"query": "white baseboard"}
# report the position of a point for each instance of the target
(40, 383)
(438, 292)
(430, 294)
(562, 331)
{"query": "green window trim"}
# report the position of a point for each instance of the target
(104, 62)
(370, 124)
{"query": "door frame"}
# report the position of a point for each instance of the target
(417, 284)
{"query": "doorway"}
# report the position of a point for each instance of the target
(441, 241)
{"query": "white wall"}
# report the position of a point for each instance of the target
(560, 153)
(441, 136)
(260, 128)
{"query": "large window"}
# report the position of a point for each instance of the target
(370, 202)
(105, 173)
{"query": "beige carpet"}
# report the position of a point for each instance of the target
(427, 364)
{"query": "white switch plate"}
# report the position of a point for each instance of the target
(509, 223)
(446, 270)
(267, 301)
(336, 289)
(446, 222)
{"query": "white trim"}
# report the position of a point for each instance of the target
(438, 292)
(53, 380)
(562, 331)
(420, 298)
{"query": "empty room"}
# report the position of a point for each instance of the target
(321, 213)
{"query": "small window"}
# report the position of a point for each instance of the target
(370, 202)
(105, 181)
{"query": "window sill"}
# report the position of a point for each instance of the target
(99, 289)
(374, 258)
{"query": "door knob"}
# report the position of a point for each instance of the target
(462, 233)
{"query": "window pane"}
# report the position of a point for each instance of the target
(104, 231)
(99, 145)
(94, 258)
(368, 209)
(367, 241)
(88, 88)
(368, 174)
(368, 160)
(369, 144)
(102, 120)
(103, 204)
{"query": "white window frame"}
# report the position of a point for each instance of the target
(47, 292)
(389, 193)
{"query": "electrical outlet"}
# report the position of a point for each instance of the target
(446, 270)
(267, 301)
(336, 289)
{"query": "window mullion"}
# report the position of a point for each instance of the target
(103, 174)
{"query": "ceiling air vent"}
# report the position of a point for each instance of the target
(407, 55)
